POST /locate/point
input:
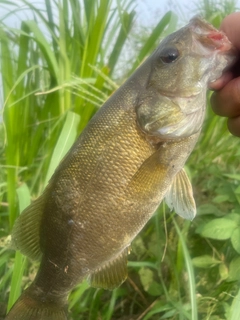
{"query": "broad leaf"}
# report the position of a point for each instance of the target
(235, 239)
(205, 261)
(220, 229)
(234, 270)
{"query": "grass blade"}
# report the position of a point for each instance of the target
(16, 282)
(65, 141)
(190, 271)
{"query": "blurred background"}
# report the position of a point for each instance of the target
(59, 61)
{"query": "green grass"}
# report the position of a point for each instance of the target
(53, 82)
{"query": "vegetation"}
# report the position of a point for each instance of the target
(56, 70)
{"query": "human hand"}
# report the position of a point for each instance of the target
(225, 100)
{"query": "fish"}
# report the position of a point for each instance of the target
(130, 157)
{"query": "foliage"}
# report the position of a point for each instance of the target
(215, 11)
(53, 82)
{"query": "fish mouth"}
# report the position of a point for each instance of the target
(206, 38)
(210, 37)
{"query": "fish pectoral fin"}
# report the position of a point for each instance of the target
(26, 230)
(112, 274)
(180, 196)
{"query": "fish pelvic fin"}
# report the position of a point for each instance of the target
(180, 196)
(30, 306)
(112, 274)
(26, 230)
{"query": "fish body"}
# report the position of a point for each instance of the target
(129, 157)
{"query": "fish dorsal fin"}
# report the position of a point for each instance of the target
(180, 196)
(112, 274)
(26, 230)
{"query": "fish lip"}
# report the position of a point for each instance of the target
(210, 37)
(206, 39)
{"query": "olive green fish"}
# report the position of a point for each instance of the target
(126, 161)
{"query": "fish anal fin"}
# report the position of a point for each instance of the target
(112, 274)
(26, 230)
(180, 196)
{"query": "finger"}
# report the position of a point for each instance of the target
(234, 126)
(230, 25)
(226, 102)
(221, 82)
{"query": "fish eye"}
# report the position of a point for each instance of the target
(169, 55)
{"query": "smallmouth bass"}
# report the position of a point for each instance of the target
(126, 161)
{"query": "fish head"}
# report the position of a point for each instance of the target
(191, 58)
(182, 67)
